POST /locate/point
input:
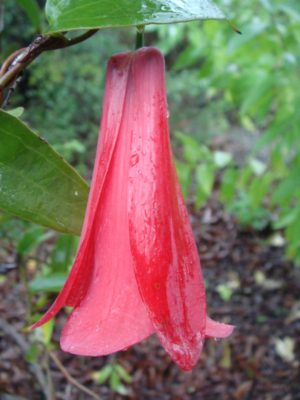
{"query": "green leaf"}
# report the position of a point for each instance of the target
(205, 175)
(87, 14)
(286, 218)
(258, 189)
(228, 185)
(41, 335)
(16, 112)
(123, 374)
(259, 92)
(292, 235)
(47, 330)
(31, 239)
(32, 10)
(122, 390)
(36, 184)
(224, 291)
(257, 166)
(32, 353)
(63, 253)
(222, 158)
(292, 10)
(287, 189)
(103, 375)
(114, 381)
(51, 283)
(184, 172)
(192, 151)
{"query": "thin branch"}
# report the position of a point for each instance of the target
(139, 42)
(15, 64)
(70, 379)
(81, 38)
(9, 61)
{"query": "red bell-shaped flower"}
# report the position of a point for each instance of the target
(137, 269)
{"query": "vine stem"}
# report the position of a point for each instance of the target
(139, 42)
(15, 64)
(70, 378)
(9, 60)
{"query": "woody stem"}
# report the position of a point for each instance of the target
(18, 61)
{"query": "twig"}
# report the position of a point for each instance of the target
(11, 332)
(139, 42)
(250, 394)
(24, 279)
(48, 375)
(81, 38)
(70, 379)
(9, 60)
(15, 64)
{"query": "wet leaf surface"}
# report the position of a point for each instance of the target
(36, 183)
(84, 14)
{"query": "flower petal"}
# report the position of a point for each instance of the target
(109, 314)
(79, 277)
(216, 329)
(167, 266)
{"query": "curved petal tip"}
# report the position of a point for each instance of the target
(216, 329)
(183, 354)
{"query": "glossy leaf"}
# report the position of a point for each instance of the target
(86, 14)
(36, 184)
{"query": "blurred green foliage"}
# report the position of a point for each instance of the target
(246, 86)
(115, 374)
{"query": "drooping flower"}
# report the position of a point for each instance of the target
(137, 269)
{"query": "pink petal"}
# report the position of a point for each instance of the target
(109, 314)
(136, 241)
(165, 256)
(78, 280)
(216, 329)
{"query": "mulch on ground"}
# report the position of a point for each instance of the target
(250, 365)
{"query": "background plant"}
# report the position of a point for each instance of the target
(245, 88)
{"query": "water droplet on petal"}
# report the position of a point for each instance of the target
(134, 159)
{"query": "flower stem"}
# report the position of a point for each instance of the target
(139, 42)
